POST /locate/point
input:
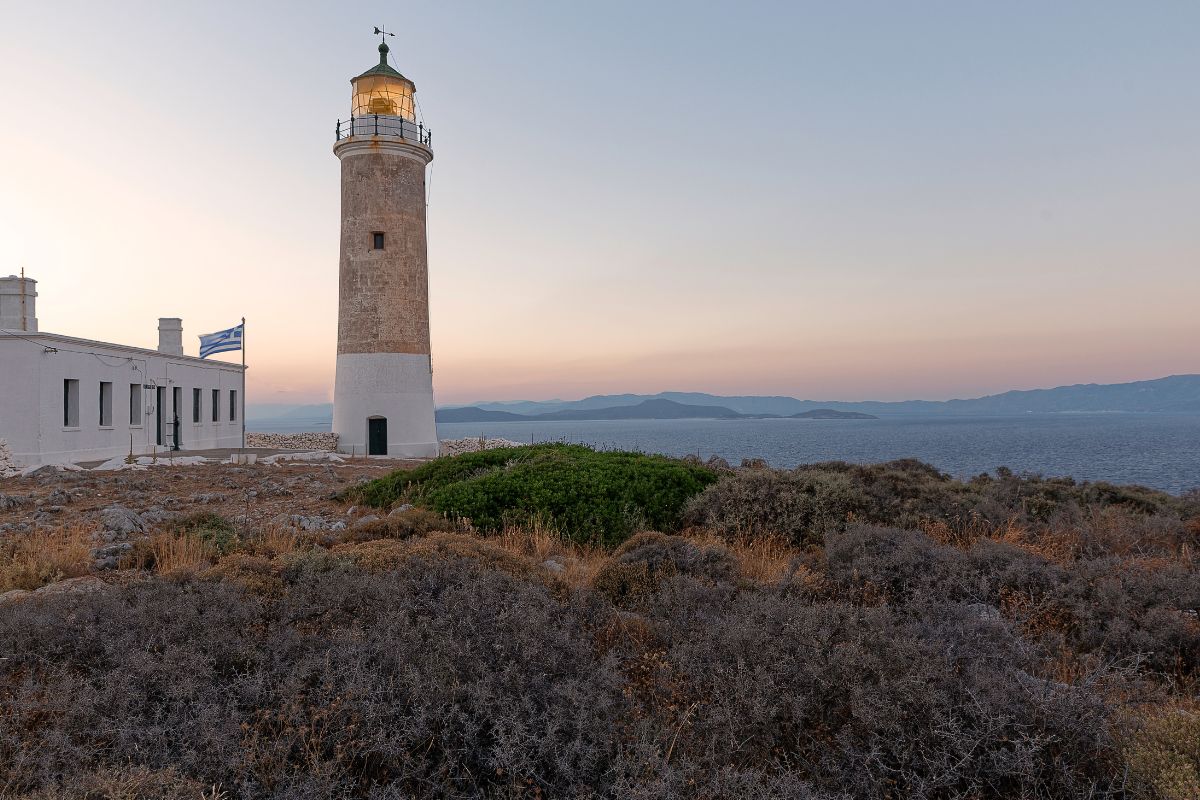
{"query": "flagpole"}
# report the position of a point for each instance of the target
(243, 383)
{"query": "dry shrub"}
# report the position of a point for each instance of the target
(638, 568)
(1163, 753)
(254, 573)
(799, 505)
(402, 525)
(387, 555)
(131, 783)
(31, 560)
(543, 544)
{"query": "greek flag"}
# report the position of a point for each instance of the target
(221, 341)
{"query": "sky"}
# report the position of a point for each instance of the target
(856, 200)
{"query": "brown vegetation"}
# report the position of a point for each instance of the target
(863, 632)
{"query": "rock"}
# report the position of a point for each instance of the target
(717, 463)
(338, 526)
(400, 509)
(81, 585)
(208, 497)
(10, 501)
(984, 611)
(44, 471)
(358, 523)
(84, 584)
(109, 556)
(754, 463)
(13, 595)
(156, 515)
(313, 523)
(122, 521)
(59, 497)
(554, 565)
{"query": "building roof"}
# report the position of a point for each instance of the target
(382, 67)
(78, 345)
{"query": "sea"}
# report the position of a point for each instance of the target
(1161, 451)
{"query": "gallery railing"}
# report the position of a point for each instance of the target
(384, 125)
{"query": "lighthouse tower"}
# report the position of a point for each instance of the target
(383, 392)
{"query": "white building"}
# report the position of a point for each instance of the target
(65, 399)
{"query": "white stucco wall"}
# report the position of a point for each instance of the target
(395, 386)
(32, 371)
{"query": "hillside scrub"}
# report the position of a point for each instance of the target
(912, 637)
(813, 499)
(444, 670)
(588, 495)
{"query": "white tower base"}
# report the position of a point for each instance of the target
(395, 387)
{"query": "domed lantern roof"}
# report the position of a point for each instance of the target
(382, 90)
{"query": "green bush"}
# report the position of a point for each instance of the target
(588, 495)
(212, 529)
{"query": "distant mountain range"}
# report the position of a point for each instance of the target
(654, 408)
(1177, 393)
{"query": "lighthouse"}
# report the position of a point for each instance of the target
(383, 389)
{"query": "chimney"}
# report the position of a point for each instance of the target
(170, 336)
(18, 304)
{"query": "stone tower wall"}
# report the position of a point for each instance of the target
(383, 295)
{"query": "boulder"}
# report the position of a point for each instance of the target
(117, 519)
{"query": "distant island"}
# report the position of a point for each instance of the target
(655, 408)
(1174, 394)
(829, 413)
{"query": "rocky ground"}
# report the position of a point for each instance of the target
(116, 508)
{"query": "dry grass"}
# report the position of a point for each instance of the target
(274, 540)
(31, 560)
(541, 544)
(763, 559)
(171, 552)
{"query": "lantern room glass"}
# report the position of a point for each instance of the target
(383, 94)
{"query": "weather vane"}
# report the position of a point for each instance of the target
(382, 33)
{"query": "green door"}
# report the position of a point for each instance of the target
(377, 436)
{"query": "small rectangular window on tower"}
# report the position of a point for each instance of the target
(377, 240)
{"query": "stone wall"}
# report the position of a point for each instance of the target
(455, 447)
(293, 441)
(383, 304)
(8, 465)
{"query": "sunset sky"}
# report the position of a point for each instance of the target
(859, 200)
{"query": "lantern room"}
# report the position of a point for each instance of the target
(383, 90)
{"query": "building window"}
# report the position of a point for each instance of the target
(70, 403)
(377, 240)
(232, 405)
(216, 405)
(196, 394)
(105, 404)
(135, 404)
